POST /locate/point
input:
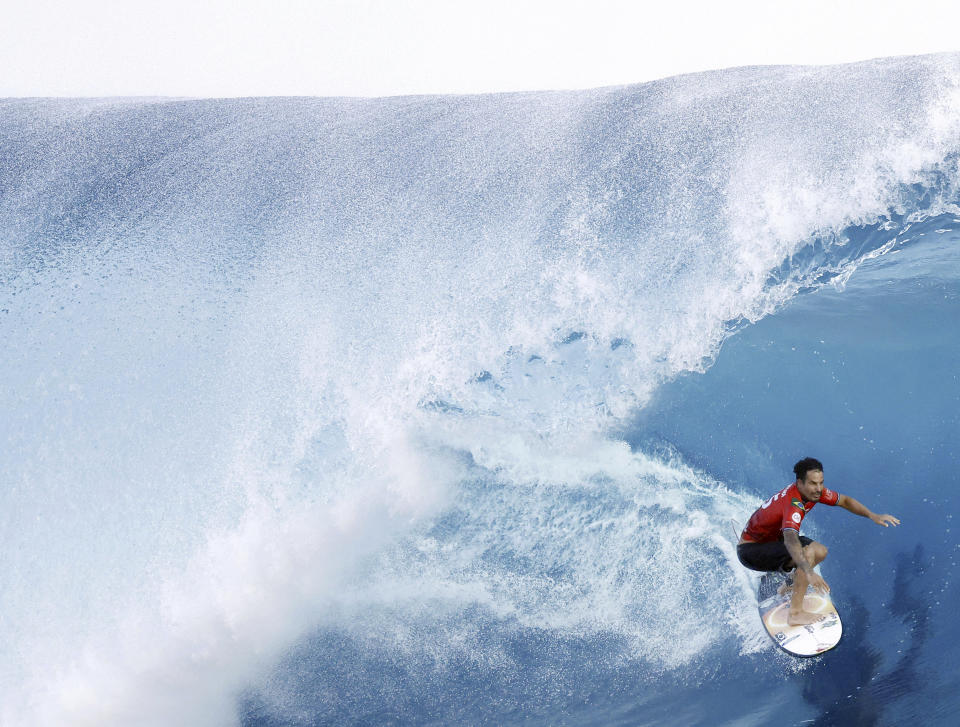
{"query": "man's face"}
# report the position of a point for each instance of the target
(812, 487)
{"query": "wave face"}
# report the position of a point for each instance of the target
(414, 410)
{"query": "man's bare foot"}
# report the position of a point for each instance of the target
(785, 589)
(801, 618)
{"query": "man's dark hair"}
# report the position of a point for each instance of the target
(807, 464)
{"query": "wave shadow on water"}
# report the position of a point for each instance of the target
(849, 686)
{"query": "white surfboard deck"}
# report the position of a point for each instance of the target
(807, 640)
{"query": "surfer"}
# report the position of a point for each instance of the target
(772, 541)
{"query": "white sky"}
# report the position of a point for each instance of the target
(378, 47)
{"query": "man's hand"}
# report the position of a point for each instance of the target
(816, 580)
(885, 520)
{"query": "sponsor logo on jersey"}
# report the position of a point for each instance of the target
(796, 517)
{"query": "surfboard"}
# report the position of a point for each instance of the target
(807, 640)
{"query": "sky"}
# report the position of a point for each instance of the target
(217, 48)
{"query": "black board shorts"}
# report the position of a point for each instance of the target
(769, 556)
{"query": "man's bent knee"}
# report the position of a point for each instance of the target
(815, 552)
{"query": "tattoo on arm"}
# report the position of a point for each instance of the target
(792, 540)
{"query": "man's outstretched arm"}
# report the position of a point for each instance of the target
(858, 508)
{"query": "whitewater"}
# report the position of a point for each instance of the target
(443, 409)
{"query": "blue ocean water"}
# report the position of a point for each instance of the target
(441, 410)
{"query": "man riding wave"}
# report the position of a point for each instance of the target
(771, 541)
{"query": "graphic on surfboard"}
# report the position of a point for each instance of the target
(806, 640)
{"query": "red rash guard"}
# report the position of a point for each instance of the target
(784, 510)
